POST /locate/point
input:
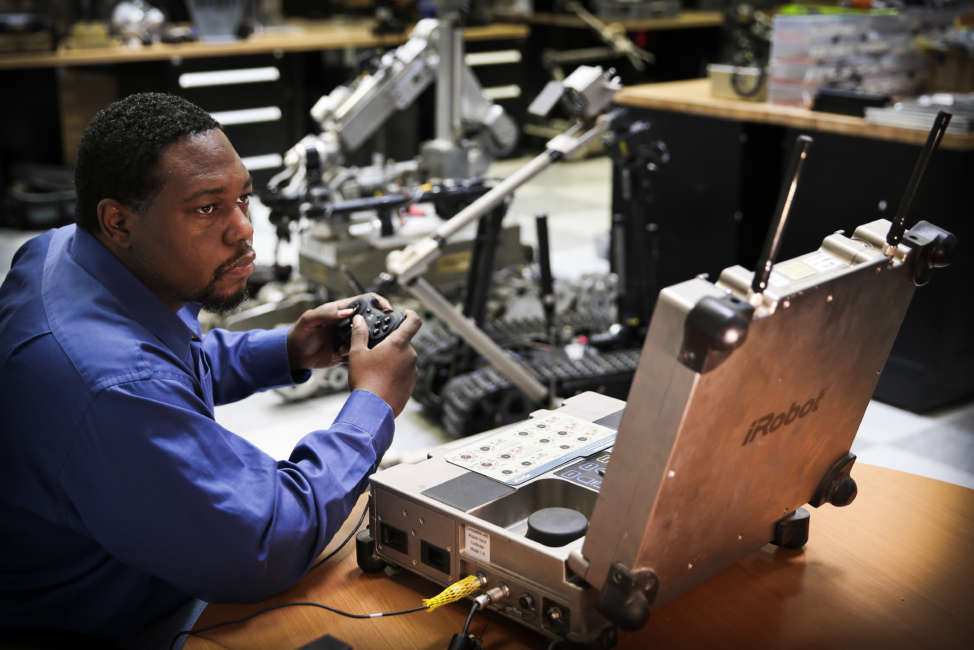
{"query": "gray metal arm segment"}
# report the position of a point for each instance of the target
(408, 265)
(519, 375)
(413, 260)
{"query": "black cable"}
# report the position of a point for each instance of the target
(464, 640)
(293, 604)
(344, 541)
(473, 610)
(317, 564)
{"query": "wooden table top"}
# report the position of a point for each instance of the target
(694, 97)
(893, 570)
(296, 36)
(689, 19)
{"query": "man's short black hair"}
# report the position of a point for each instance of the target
(121, 147)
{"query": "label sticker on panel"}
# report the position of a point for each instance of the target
(477, 544)
(794, 269)
(822, 261)
(777, 279)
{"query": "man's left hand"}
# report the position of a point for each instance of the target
(309, 343)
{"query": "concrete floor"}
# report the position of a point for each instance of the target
(576, 197)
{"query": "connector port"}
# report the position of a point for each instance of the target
(392, 537)
(555, 617)
(434, 556)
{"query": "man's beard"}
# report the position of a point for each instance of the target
(221, 304)
(218, 304)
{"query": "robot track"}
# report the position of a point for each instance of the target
(484, 399)
(441, 356)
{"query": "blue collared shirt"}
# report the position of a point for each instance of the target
(120, 496)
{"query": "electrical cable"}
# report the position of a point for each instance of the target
(454, 592)
(293, 604)
(464, 640)
(355, 529)
(473, 610)
(317, 564)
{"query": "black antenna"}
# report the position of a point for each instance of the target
(933, 141)
(547, 291)
(785, 200)
(544, 265)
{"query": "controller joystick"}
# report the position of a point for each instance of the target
(381, 323)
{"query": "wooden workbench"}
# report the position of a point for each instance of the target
(296, 36)
(684, 20)
(694, 97)
(68, 86)
(893, 570)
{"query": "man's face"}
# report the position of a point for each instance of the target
(193, 242)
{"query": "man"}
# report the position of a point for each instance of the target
(120, 497)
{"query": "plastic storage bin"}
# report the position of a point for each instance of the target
(217, 20)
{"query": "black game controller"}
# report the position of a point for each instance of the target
(381, 323)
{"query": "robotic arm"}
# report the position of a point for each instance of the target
(353, 113)
(471, 130)
(587, 94)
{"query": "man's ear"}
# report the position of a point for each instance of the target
(115, 221)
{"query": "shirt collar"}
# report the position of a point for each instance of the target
(175, 329)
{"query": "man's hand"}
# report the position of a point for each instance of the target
(389, 369)
(309, 343)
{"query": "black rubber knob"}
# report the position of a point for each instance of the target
(844, 492)
(556, 526)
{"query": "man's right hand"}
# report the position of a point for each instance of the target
(389, 369)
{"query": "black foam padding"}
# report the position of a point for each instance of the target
(468, 491)
(556, 526)
(612, 420)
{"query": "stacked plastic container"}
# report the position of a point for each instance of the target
(867, 52)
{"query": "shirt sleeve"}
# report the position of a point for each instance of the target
(244, 362)
(166, 489)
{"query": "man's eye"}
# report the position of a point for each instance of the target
(244, 198)
(207, 209)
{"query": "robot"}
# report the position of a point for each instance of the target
(471, 130)
(346, 215)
